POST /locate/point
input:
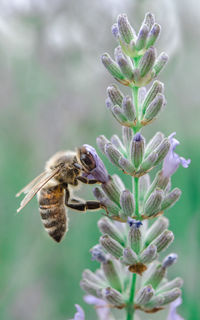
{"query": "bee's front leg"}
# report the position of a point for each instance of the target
(88, 181)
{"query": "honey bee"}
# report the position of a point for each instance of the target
(54, 187)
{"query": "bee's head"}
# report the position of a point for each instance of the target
(92, 166)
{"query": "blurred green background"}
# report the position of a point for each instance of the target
(52, 92)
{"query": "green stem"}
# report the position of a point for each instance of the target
(130, 305)
(135, 100)
(136, 194)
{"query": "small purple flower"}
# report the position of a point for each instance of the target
(79, 315)
(134, 223)
(99, 172)
(101, 306)
(169, 260)
(115, 30)
(172, 159)
(98, 254)
(172, 310)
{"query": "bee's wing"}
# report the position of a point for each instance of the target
(40, 183)
(29, 186)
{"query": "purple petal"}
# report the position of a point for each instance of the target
(79, 315)
(102, 309)
(99, 172)
(185, 163)
(172, 160)
(172, 310)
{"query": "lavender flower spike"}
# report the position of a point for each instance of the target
(172, 159)
(99, 172)
(79, 315)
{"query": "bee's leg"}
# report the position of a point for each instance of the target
(88, 181)
(79, 205)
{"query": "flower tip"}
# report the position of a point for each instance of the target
(138, 136)
(79, 315)
(115, 30)
(134, 223)
(185, 163)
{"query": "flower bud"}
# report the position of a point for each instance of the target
(159, 181)
(137, 149)
(163, 241)
(153, 143)
(141, 95)
(127, 203)
(129, 257)
(115, 95)
(98, 254)
(170, 296)
(112, 66)
(157, 87)
(112, 275)
(144, 184)
(171, 198)
(124, 63)
(88, 275)
(144, 295)
(149, 162)
(127, 135)
(125, 30)
(115, 140)
(142, 37)
(113, 297)
(156, 277)
(112, 153)
(147, 61)
(133, 51)
(91, 287)
(101, 142)
(128, 109)
(154, 108)
(119, 115)
(117, 180)
(126, 165)
(153, 203)
(176, 283)
(149, 20)
(153, 35)
(162, 150)
(110, 205)
(136, 76)
(135, 237)
(111, 246)
(154, 303)
(156, 229)
(109, 228)
(149, 254)
(160, 63)
(169, 260)
(112, 190)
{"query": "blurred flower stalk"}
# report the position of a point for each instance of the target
(134, 231)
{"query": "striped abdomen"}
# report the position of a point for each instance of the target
(53, 211)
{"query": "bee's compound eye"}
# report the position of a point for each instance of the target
(88, 161)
